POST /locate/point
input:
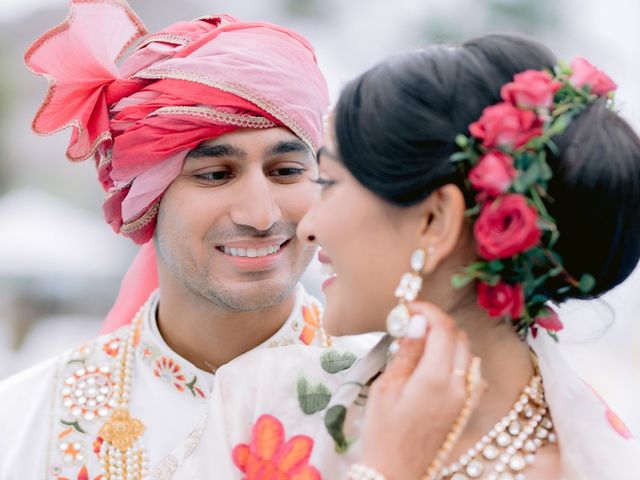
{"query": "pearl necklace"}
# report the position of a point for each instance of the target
(122, 454)
(511, 444)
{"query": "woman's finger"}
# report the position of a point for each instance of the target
(437, 360)
(461, 360)
(407, 357)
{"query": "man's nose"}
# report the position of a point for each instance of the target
(256, 204)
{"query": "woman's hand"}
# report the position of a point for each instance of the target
(412, 406)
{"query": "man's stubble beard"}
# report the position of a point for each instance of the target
(202, 283)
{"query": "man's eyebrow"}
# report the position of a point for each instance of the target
(221, 150)
(286, 146)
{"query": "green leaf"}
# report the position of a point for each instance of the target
(460, 280)
(334, 422)
(460, 156)
(587, 282)
(462, 141)
(496, 266)
(312, 398)
(334, 361)
(530, 176)
(473, 211)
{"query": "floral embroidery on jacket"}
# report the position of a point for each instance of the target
(312, 318)
(112, 347)
(83, 474)
(170, 371)
(269, 456)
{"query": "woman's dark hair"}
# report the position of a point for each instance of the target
(395, 127)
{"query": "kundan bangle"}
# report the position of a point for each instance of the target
(474, 378)
(359, 471)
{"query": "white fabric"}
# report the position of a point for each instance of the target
(594, 444)
(590, 447)
(169, 395)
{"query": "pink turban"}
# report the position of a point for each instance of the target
(139, 114)
(179, 87)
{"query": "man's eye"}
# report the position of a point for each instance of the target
(213, 177)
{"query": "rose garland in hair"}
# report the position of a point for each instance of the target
(504, 164)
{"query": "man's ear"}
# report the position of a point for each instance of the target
(442, 221)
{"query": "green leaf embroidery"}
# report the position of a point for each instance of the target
(334, 361)
(312, 398)
(75, 425)
(334, 421)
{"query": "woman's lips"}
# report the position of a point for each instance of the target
(328, 282)
(327, 269)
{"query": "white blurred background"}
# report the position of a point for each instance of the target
(60, 264)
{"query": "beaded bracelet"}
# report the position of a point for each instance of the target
(362, 472)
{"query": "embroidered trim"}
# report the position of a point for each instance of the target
(245, 121)
(142, 221)
(234, 88)
(164, 38)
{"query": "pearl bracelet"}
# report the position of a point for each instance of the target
(362, 472)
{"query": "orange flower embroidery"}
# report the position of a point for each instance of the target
(311, 317)
(83, 474)
(112, 347)
(269, 457)
(169, 371)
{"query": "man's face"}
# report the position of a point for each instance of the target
(226, 226)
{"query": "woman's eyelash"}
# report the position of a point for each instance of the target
(323, 181)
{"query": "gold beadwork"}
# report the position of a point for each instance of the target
(121, 430)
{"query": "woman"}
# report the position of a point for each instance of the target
(487, 164)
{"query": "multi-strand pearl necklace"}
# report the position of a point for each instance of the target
(122, 454)
(511, 444)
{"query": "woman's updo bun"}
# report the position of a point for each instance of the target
(595, 195)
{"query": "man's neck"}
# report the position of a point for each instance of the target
(210, 336)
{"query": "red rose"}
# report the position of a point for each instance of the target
(501, 300)
(493, 174)
(507, 226)
(586, 74)
(503, 125)
(549, 320)
(531, 89)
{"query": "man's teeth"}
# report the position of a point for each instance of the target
(327, 269)
(251, 252)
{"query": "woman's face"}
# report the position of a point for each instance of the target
(366, 242)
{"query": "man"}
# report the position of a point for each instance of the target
(204, 139)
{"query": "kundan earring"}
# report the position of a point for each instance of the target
(406, 292)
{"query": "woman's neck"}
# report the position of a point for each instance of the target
(507, 368)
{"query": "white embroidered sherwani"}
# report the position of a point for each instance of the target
(51, 414)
